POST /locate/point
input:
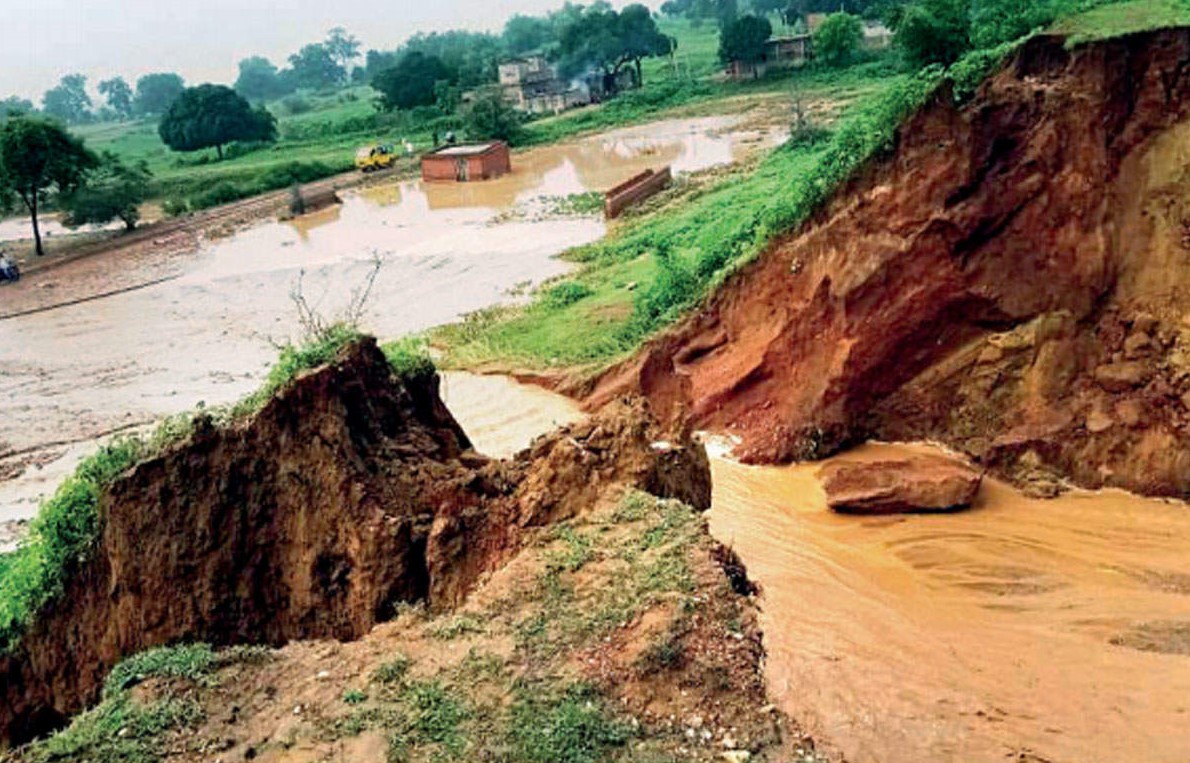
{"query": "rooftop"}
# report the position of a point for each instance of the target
(472, 149)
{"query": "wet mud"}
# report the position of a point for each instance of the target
(206, 333)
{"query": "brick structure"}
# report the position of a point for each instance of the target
(482, 161)
(634, 191)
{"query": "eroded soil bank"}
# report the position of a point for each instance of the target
(1026, 630)
(351, 492)
(1011, 280)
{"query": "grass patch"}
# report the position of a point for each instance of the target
(124, 729)
(1106, 20)
(571, 726)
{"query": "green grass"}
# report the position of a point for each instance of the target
(1117, 19)
(123, 729)
(67, 526)
(567, 726)
(653, 268)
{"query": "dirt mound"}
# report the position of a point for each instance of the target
(917, 484)
(1011, 280)
(351, 492)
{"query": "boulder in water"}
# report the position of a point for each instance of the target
(916, 483)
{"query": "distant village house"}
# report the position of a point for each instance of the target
(779, 53)
(532, 85)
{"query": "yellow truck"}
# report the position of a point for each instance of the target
(378, 157)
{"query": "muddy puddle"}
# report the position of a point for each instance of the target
(1023, 630)
(73, 373)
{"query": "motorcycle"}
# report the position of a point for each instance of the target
(9, 272)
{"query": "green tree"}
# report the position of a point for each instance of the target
(490, 117)
(523, 34)
(315, 67)
(38, 157)
(69, 100)
(837, 39)
(412, 82)
(156, 92)
(13, 106)
(606, 41)
(211, 116)
(769, 6)
(113, 191)
(343, 48)
(934, 31)
(743, 40)
(259, 80)
(118, 95)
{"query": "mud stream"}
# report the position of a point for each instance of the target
(75, 372)
(1024, 630)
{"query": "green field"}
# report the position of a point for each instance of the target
(322, 139)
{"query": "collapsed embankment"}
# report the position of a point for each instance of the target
(351, 492)
(1012, 279)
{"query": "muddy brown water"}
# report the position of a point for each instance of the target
(71, 374)
(1025, 630)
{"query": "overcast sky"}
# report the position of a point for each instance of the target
(204, 40)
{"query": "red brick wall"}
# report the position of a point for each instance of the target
(635, 191)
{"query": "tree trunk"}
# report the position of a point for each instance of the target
(36, 225)
(219, 151)
(640, 80)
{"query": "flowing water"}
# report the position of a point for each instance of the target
(1024, 630)
(73, 373)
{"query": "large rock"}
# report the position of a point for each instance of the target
(918, 483)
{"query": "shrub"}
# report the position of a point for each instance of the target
(837, 39)
(564, 294)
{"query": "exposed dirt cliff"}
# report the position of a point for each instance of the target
(351, 492)
(1012, 279)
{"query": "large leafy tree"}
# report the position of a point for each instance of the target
(606, 41)
(743, 40)
(934, 31)
(342, 47)
(156, 92)
(113, 191)
(259, 80)
(523, 34)
(837, 39)
(211, 116)
(69, 100)
(38, 157)
(118, 95)
(412, 82)
(315, 67)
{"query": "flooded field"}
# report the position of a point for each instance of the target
(1023, 630)
(202, 326)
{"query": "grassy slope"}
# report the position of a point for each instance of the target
(656, 267)
(572, 654)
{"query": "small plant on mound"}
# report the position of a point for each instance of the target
(572, 726)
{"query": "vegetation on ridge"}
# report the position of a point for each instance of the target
(68, 525)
